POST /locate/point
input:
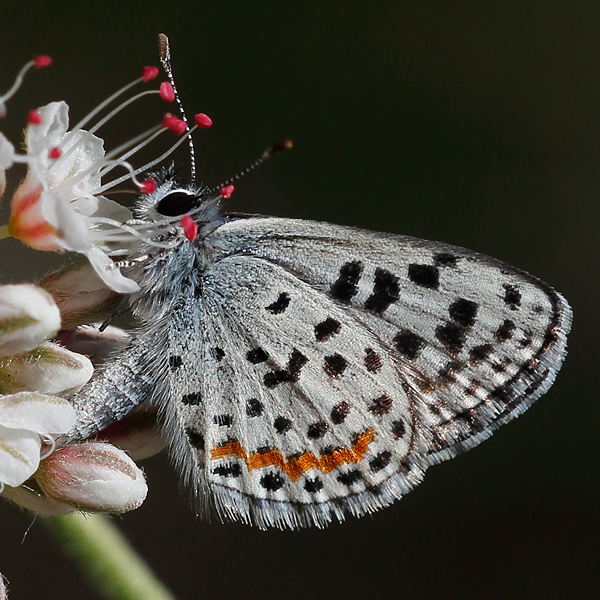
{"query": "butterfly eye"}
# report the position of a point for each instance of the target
(176, 203)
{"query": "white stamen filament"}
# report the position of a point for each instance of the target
(17, 84)
(105, 103)
(48, 439)
(107, 237)
(119, 108)
(148, 165)
(147, 136)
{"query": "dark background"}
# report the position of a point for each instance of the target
(473, 123)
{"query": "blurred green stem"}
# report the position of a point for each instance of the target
(113, 568)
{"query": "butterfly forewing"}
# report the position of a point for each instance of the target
(326, 367)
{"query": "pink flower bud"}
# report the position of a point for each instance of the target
(28, 316)
(94, 476)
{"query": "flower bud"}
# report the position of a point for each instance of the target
(93, 476)
(92, 342)
(28, 316)
(24, 418)
(81, 295)
(138, 433)
(48, 369)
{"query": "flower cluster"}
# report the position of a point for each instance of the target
(45, 353)
(61, 206)
(37, 377)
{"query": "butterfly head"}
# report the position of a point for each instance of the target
(183, 208)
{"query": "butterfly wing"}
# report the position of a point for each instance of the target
(329, 366)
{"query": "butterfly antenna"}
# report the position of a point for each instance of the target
(164, 52)
(271, 151)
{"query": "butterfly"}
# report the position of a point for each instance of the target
(306, 370)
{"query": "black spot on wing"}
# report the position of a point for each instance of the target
(381, 461)
(346, 286)
(372, 360)
(505, 330)
(317, 430)
(280, 304)
(426, 276)
(229, 470)
(463, 312)
(350, 478)
(256, 356)
(335, 365)
(191, 399)
(312, 486)
(282, 424)
(195, 438)
(512, 296)
(175, 362)
(339, 413)
(223, 420)
(480, 353)
(217, 353)
(290, 373)
(254, 407)
(385, 291)
(452, 337)
(445, 259)
(381, 406)
(447, 374)
(327, 328)
(271, 481)
(409, 344)
(398, 428)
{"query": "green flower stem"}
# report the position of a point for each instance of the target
(111, 565)
(4, 232)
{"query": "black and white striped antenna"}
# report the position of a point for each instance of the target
(164, 53)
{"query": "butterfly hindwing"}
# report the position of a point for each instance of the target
(292, 431)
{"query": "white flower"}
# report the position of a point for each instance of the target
(51, 209)
(60, 205)
(7, 153)
(48, 369)
(25, 419)
(28, 316)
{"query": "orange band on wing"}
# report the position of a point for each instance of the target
(296, 465)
